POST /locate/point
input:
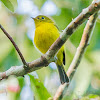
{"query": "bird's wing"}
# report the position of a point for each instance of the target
(63, 57)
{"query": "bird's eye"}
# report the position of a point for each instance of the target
(38, 18)
(42, 17)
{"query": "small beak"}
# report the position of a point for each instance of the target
(33, 18)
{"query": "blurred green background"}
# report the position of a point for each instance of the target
(15, 17)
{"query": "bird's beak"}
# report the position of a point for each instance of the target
(33, 18)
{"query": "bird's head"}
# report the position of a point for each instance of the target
(41, 19)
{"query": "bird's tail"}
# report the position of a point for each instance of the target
(63, 76)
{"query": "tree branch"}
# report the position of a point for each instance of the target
(48, 57)
(83, 44)
(79, 53)
(14, 44)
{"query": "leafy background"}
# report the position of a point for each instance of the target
(15, 17)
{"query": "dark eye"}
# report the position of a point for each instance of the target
(38, 18)
(42, 17)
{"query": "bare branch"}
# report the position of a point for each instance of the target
(14, 44)
(83, 44)
(48, 57)
(79, 53)
(20, 70)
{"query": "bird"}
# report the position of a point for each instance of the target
(46, 32)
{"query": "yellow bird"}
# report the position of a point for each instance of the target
(46, 33)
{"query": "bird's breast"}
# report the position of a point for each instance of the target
(45, 35)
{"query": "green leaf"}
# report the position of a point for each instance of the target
(14, 3)
(40, 92)
(91, 97)
(10, 4)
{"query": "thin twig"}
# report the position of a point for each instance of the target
(79, 53)
(14, 44)
(47, 58)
